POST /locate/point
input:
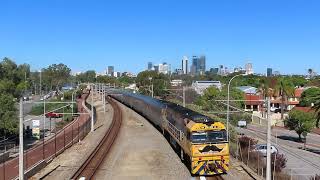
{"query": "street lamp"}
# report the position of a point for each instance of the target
(72, 102)
(150, 79)
(228, 102)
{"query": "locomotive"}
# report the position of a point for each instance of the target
(201, 142)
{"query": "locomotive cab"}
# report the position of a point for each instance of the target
(209, 148)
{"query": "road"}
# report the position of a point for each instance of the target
(300, 163)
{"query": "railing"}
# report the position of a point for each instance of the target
(50, 148)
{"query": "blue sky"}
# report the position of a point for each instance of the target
(284, 35)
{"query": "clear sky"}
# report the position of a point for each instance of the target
(282, 34)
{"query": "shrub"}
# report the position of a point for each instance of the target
(244, 142)
(279, 161)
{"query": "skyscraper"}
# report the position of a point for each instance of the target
(269, 72)
(249, 68)
(163, 68)
(150, 65)
(185, 65)
(110, 70)
(198, 65)
(202, 65)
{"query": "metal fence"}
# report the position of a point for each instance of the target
(50, 148)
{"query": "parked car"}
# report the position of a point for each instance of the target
(278, 110)
(272, 109)
(53, 115)
(262, 148)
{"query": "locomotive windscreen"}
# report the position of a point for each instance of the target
(209, 136)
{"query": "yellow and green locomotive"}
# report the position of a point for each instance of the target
(200, 141)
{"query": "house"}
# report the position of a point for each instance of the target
(176, 82)
(201, 86)
(253, 100)
(290, 102)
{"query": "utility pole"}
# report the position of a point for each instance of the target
(104, 100)
(21, 163)
(152, 90)
(184, 96)
(268, 173)
(92, 123)
(40, 84)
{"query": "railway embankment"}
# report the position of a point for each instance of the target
(64, 165)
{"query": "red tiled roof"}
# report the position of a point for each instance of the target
(252, 99)
(304, 109)
(298, 92)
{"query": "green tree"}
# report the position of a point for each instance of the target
(108, 80)
(301, 122)
(160, 82)
(8, 115)
(285, 89)
(316, 107)
(207, 100)
(88, 76)
(56, 75)
(308, 96)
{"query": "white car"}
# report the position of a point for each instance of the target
(262, 148)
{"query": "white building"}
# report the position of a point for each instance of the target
(176, 82)
(185, 65)
(116, 74)
(164, 68)
(249, 68)
(201, 86)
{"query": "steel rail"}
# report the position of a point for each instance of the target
(88, 169)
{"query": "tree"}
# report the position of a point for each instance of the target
(56, 75)
(211, 94)
(299, 121)
(285, 89)
(159, 81)
(316, 107)
(88, 76)
(8, 115)
(308, 96)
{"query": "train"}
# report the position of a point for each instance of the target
(200, 141)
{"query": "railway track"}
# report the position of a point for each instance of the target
(209, 178)
(88, 168)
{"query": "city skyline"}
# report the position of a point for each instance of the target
(130, 34)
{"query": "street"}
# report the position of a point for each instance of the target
(300, 163)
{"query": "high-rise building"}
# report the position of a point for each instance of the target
(185, 65)
(198, 65)
(269, 72)
(249, 68)
(150, 66)
(276, 73)
(202, 65)
(110, 70)
(221, 70)
(163, 68)
(178, 71)
(214, 70)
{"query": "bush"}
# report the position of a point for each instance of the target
(244, 142)
(317, 177)
(279, 161)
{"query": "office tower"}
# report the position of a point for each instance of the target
(150, 65)
(202, 65)
(185, 65)
(249, 68)
(110, 70)
(269, 72)
(198, 65)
